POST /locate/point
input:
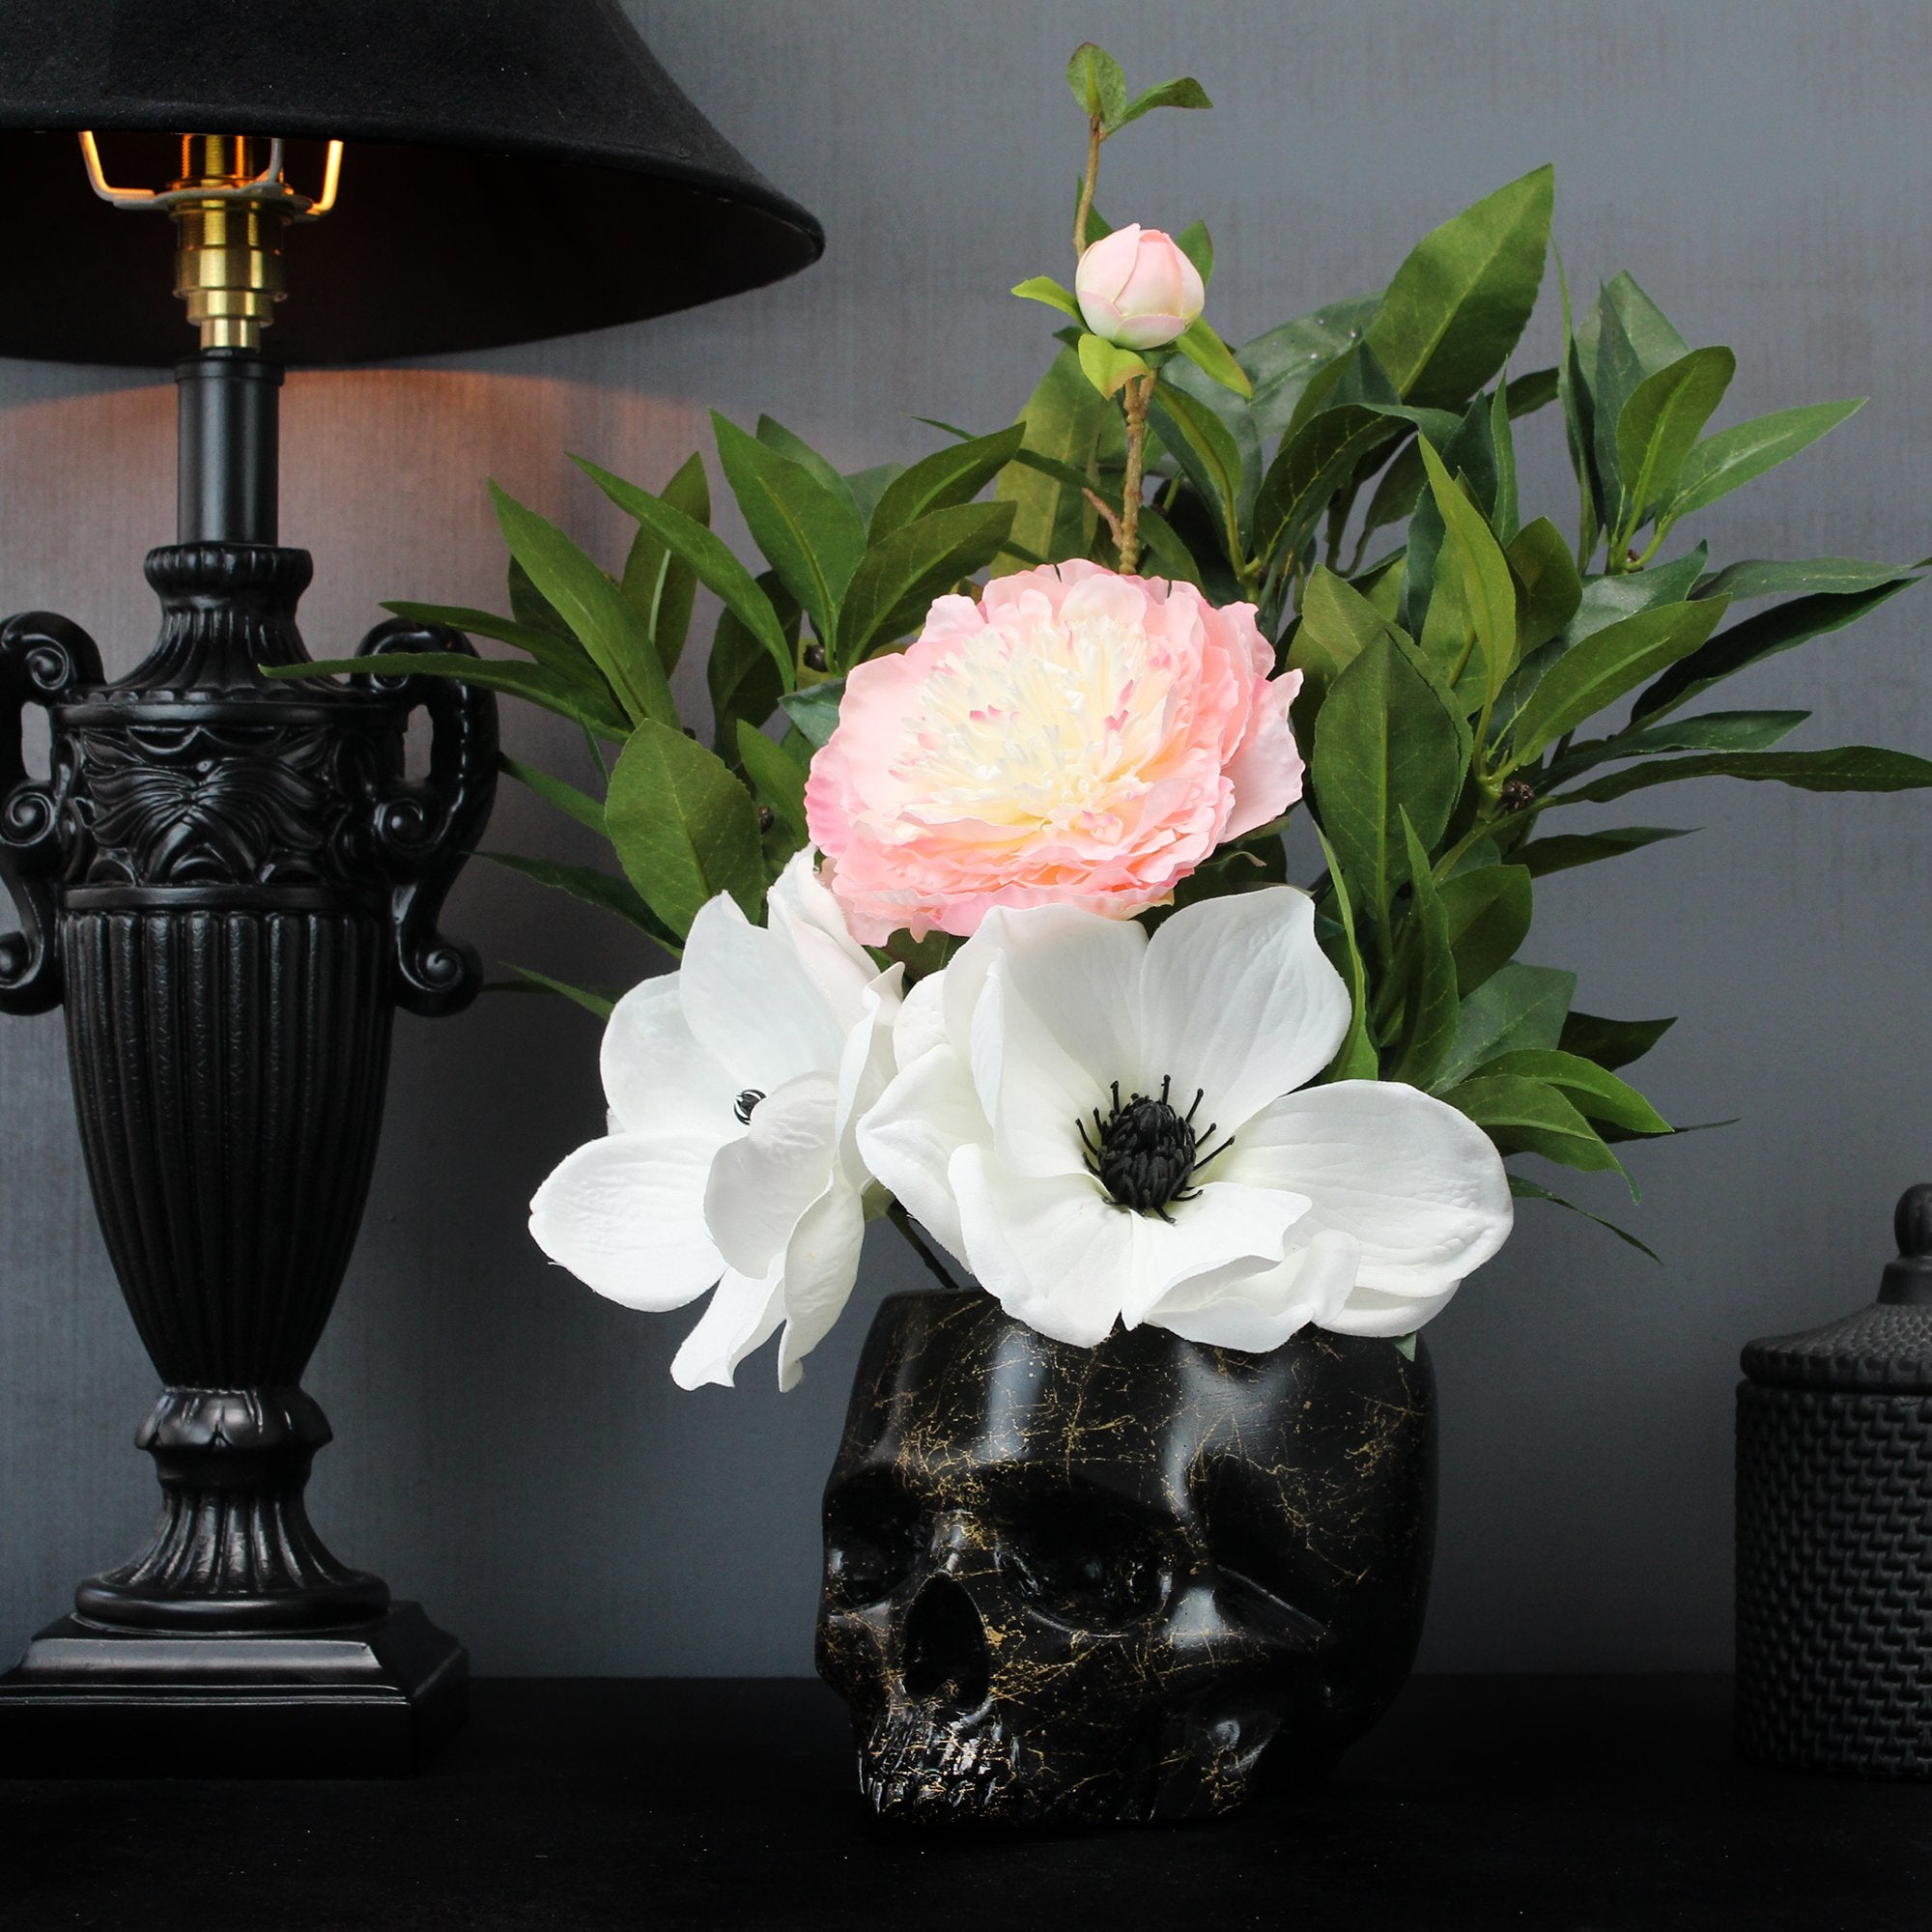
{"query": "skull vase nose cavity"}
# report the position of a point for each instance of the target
(947, 1664)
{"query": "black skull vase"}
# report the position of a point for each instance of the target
(1085, 1586)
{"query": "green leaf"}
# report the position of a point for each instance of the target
(1524, 1115)
(1356, 1059)
(1396, 492)
(1312, 465)
(898, 578)
(739, 673)
(1593, 1090)
(1608, 599)
(1489, 592)
(1212, 356)
(1198, 245)
(1843, 768)
(945, 480)
(1579, 429)
(1524, 395)
(1781, 628)
(1469, 454)
(555, 650)
(1611, 1043)
(1545, 576)
(658, 585)
(1432, 1000)
(1336, 622)
(1044, 289)
(589, 603)
(1061, 422)
(1282, 363)
(1765, 577)
(776, 779)
(815, 710)
(1384, 743)
(1098, 85)
(1657, 428)
(1604, 602)
(869, 486)
(600, 1003)
(782, 442)
(586, 884)
(1182, 93)
(812, 538)
(1603, 666)
(1355, 376)
(566, 797)
(1653, 342)
(1208, 454)
(1456, 306)
(1561, 854)
(1623, 340)
(1736, 456)
(1504, 518)
(1516, 1008)
(1107, 367)
(533, 639)
(533, 682)
(1486, 914)
(718, 570)
(1528, 1190)
(1709, 731)
(529, 605)
(1163, 551)
(683, 828)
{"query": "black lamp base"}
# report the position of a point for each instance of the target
(375, 1700)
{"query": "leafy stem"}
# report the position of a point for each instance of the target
(1138, 392)
(1096, 134)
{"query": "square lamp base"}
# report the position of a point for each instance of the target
(374, 1701)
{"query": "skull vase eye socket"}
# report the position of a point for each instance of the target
(1070, 1585)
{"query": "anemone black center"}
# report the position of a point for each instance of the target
(743, 1105)
(1146, 1152)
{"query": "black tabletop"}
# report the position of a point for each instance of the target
(1580, 1804)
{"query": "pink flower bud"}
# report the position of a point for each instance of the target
(1136, 289)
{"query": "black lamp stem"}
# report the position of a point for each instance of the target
(229, 447)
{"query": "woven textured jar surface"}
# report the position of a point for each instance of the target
(1835, 1531)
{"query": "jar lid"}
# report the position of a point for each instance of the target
(1885, 1346)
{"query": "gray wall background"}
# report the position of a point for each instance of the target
(511, 1449)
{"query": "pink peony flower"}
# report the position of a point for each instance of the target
(1074, 738)
(1136, 289)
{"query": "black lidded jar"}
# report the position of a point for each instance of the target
(1835, 1531)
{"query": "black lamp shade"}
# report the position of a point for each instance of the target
(515, 169)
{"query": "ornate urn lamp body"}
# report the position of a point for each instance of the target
(230, 883)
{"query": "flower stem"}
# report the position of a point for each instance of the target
(1095, 136)
(1135, 398)
(934, 1266)
(1107, 515)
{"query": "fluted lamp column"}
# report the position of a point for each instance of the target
(229, 883)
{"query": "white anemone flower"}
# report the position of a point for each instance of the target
(733, 1086)
(1105, 1126)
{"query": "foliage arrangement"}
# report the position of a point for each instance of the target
(1462, 668)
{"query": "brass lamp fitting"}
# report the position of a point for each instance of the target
(230, 205)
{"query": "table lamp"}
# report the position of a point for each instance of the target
(229, 883)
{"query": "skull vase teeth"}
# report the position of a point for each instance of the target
(1080, 1587)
